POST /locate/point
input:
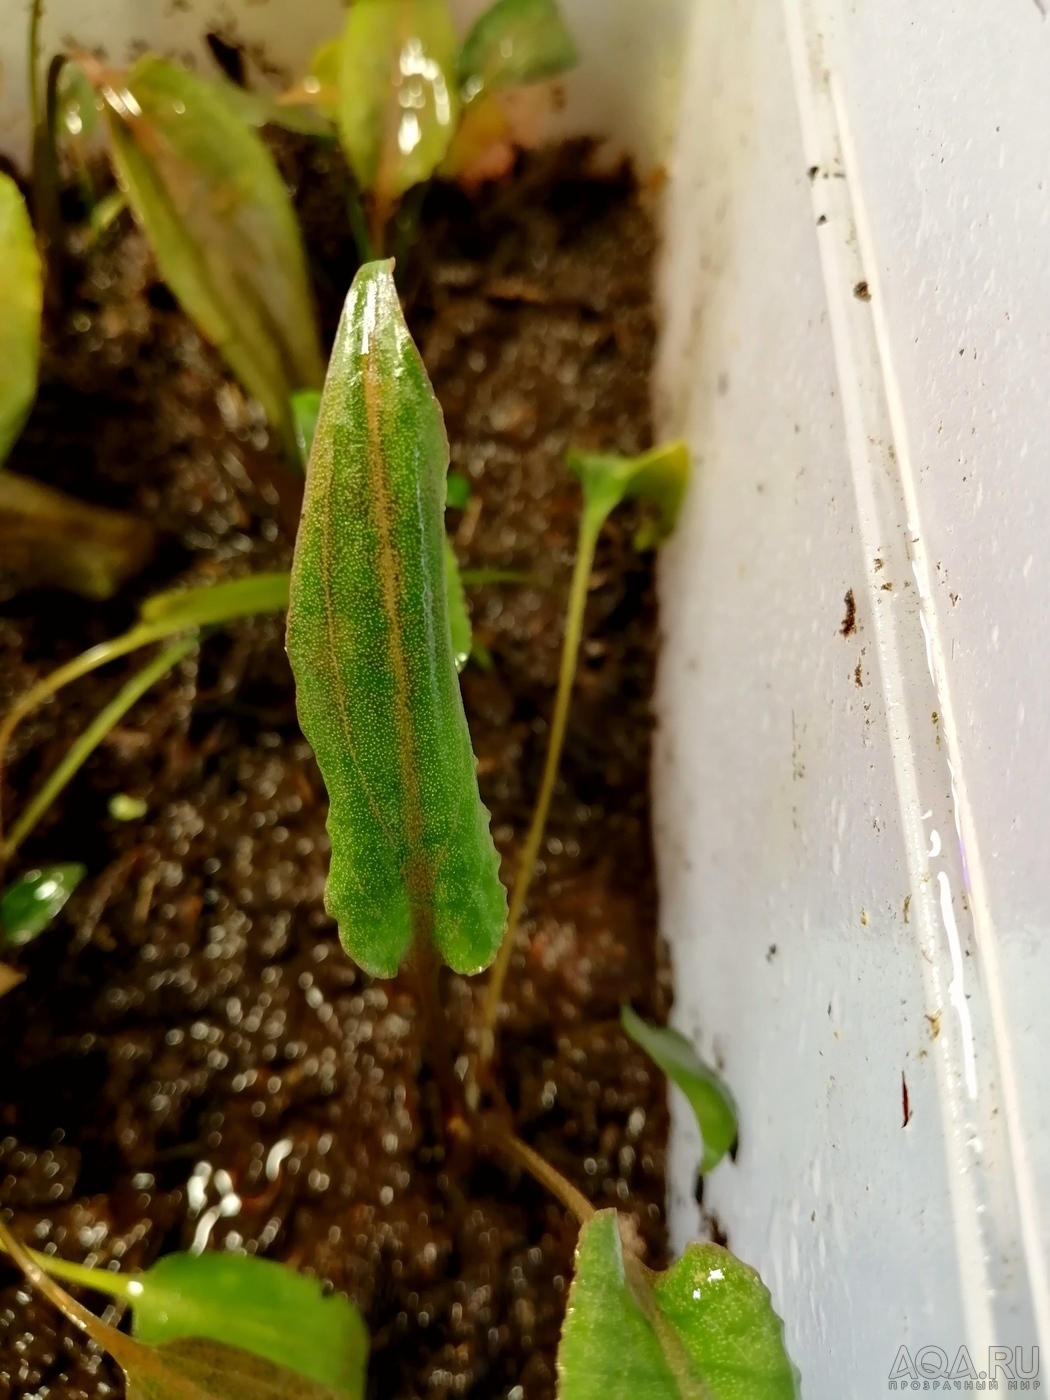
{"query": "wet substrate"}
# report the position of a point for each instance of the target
(191, 1017)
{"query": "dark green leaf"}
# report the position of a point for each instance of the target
(29, 905)
(398, 98)
(48, 539)
(369, 638)
(708, 1095)
(21, 296)
(515, 42)
(221, 222)
(704, 1330)
(257, 1305)
(658, 477)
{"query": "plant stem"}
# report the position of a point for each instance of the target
(35, 10)
(92, 736)
(69, 1307)
(588, 539)
(359, 223)
(101, 1280)
(427, 970)
(538, 1167)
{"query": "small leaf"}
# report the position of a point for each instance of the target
(398, 98)
(212, 604)
(78, 108)
(708, 1095)
(21, 298)
(256, 1305)
(513, 43)
(305, 406)
(369, 639)
(259, 109)
(213, 204)
(457, 491)
(29, 905)
(320, 87)
(704, 1330)
(48, 539)
(659, 477)
(124, 808)
(459, 617)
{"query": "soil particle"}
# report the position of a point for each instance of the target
(192, 1014)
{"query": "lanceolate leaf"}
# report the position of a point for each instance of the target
(221, 223)
(708, 1095)
(257, 1305)
(704, 1330)
(515, 42)
(29, 905)
(21, 294)
(370, 644)
(398, 100)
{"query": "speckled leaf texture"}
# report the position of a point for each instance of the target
(370, 644)
(704, 1330)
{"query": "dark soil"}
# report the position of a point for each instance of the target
(191, 1015)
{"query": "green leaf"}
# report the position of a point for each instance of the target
(21, 298)
(305, 406)
(49, 539)
(212, 604)
(398, 98)
(78, 109)
(213, 204)
(259, 109)
(704, 1330)
(659, 477)
(256, 1305)
(707, 1093)
(457, 491)
(513, 43)
(29, 905)
(369, 639)
(459, 617)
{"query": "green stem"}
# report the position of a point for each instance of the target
(101, 1280)
(588, 539)
(35, 10)
(96, 731)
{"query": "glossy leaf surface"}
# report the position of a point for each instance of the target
(708, 1095)
(369, 638)
(21, 298)
(213, 204)
(29, 905)
(398, 97)
(704, 1330)
(257, 1305)
(658, 477)
(516, 42)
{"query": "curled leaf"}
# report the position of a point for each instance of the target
(221, 222)
(369, 639)
(659, 477)
(513, 43)
(29, 905)
(708, 1095)
(398, 97)
(703, 1330)
(21, 299)
(48, 539)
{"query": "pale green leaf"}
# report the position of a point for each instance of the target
(708, 1095)
(21, 296)
(398, 97)
(305, 406)
(122, 807)
(221, 222)
(459, 617)
(704, 1330)
(29, 905)
(658, 477)
(369, 638)
(457, 491)
(213, 604)
(259, 109)
(513, 43)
